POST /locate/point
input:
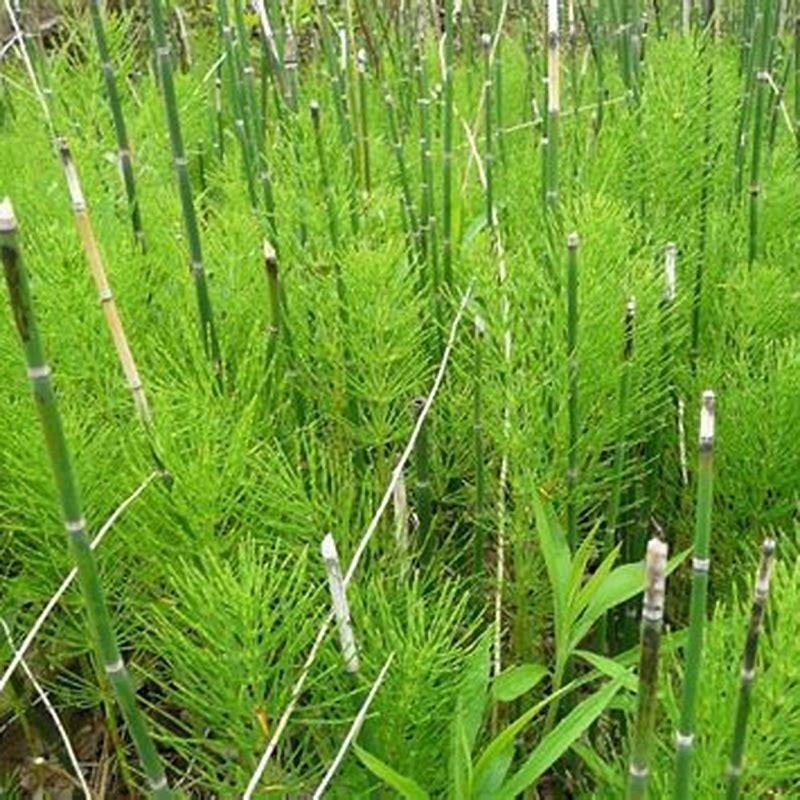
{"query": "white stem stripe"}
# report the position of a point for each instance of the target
(341, 608)
(51, 711)
(354, 730)
(362, 546)
(54, 600)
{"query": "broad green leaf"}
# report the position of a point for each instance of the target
(404, 786)
(557, 560)
(558, 741)
(506, 738)
(473, 229)
(620, 585)
(610, 668)
(516, 680)
(607, 772)
(579, 562)
(591, 586)
(471, 704)
(493, 775)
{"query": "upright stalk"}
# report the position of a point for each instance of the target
(572, 375)
(762, 90)
(447, 146)
(97, 268)
(478, 436)
(748, 676)
(697, 610)
(208, 331)
(553, 107)
(120, 130)
(361, 69)
(652, 621)
(99, 620)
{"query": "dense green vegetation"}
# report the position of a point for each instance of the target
(450, 248)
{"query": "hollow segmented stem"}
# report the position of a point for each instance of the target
(447, 146)
(762, 89)
(553, 107)
(327, 189)
(573, 243)
(99, 620)
(697, 611)
(361, 69)
(748, 675)
(478, 435)
(120, 130)
(208, 330)
(652, 621)
(83, 223)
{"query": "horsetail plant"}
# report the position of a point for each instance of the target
(621, 446)
(478, 445)
(734, 776)
(99, 620)
(327, 188)
(208, 331)
(108, 303)
(697, 609)
(553, 107)
(652, 621)
(120, 129)
(361, 69)
(762, 77)
(275, 325)
(624, 391)
(573, 243)
(447, 145)
(409, 215)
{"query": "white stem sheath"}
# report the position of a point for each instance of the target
(341, 608)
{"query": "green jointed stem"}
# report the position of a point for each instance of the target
(553, 107)
(208, 331)
(430, 240)
(327, 189)
(748, 675)
(697, 609)
(338, 79)
(409, 215)
(275, 325)
(572, 391)
(47, 409)
(762, 88)
(477, 431)
(120, 131)
(361, 68)
(652, 621)
(447, 146)
(624, 391)
(488, 155)
(797, 79)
